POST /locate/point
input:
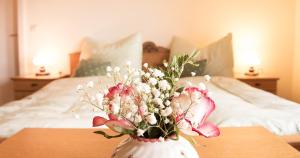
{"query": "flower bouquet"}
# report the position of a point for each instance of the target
(150, 107)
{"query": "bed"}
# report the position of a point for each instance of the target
(238, 105)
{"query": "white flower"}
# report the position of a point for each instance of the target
(140, 132)
(158, 101)
(155, 92)
(202, 86)
(143, 88)
(176, 79)
(79, 87)
(105, 91)
(152, 81)
(167, 94)
(156, 110)
(172, 68)
(176, 94)
(142, 72)
(166, 112)
(164, 85)
(158, 73)
(115, 108)
(115, 105)
(166, 64)
(167, 103)
(166, 121)
(151, 119)
(161, 139)
(138, 118)
(145, 65)
(193, 73)
(99, 97)
(117, 69)
(147, 75)
(108, 69)
(90, 84)
(207, 78)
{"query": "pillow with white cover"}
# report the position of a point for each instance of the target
(117, 53)
(219, 54)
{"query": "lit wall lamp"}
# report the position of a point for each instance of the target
(252, 61)
(41, 61)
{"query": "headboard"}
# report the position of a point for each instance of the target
(152, 54)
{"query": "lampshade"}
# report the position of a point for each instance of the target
(41, 60)
(252, 59)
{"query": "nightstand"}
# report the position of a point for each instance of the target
(28, 84)
(261, 82)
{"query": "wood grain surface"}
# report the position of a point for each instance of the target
(252, 142)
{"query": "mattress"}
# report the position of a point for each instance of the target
(238, 105)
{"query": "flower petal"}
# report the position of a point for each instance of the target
(99, 121)
(208, 130)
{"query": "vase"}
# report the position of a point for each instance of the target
(154, 148)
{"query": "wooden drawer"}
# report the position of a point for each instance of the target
(23, 85)
(267, 85)
(22, 94)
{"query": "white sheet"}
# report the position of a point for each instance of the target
(237, 105)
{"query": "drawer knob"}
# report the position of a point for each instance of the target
(257, 84)
(34, 84)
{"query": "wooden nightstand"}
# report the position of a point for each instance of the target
(261, 82)
(28, 84)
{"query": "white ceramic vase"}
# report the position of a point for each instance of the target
(153, 148)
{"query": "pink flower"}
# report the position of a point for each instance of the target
(115, 90)
(192, 110)
(120, 90)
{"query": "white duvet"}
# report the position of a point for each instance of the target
(56, 106)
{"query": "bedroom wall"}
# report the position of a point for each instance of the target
(262, 26)
(7, 49)
(296, 74)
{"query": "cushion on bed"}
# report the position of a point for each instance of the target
(219, 54)
(198, 69)
(91, 67)
(118, 53)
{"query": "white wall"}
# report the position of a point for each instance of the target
(263, 26)
(296, 74)
(7, 49)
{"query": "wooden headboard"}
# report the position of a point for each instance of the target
(152, 54)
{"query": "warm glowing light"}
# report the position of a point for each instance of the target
(42, 60)
(252, 59)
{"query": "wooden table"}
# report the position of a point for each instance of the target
(254, 142)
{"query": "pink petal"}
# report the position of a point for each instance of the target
(99, 121)
(208, 130)
(112, 117)
(205, 109)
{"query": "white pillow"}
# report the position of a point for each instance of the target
(118, 53)
(219, 55)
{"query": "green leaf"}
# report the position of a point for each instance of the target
(179, 90)
(108, 136)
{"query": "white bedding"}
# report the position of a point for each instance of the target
(238, 104)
